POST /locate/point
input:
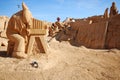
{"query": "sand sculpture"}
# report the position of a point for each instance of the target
(60, 27)
(50, 32)
(53, 29)
(17, 31)
(59, 24)
(106, 14)
(95, 34)
(20, 30)
(56, 27)
(3, 26)
(3, 23)
(113, 10)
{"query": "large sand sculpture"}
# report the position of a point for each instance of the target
(21, 31)
(17, 32)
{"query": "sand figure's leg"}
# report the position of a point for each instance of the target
(19, 47)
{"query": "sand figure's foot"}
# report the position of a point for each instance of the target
(19, 55)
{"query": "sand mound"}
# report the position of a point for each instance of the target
(64, 62)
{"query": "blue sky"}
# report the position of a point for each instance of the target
(48, 10)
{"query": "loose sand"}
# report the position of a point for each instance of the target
(63, 62)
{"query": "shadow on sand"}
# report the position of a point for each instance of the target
(3, 54)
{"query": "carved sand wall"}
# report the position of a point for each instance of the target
(102, 33)
(3, 22)
(113, 33)
(92, 35)
(3, 25)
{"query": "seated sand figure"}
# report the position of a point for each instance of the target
(59, 24)
(18, 31)
(113, 10)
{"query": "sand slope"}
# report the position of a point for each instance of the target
(64, 62)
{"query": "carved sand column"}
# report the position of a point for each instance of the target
(106, 15)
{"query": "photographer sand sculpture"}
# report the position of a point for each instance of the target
(18, 31)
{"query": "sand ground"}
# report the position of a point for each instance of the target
(63, 62)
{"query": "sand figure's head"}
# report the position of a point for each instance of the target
(58, 18)
(24, 7)
(113, 3)
(27, 16)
